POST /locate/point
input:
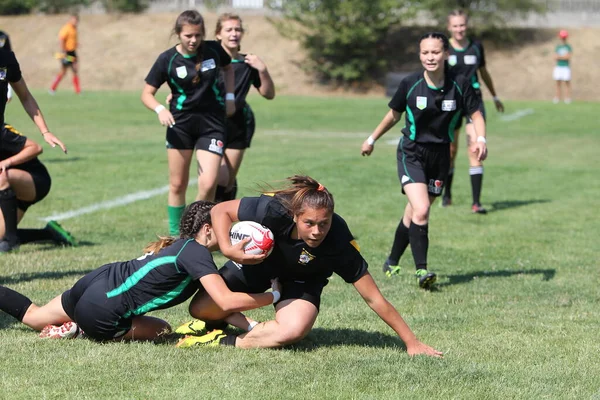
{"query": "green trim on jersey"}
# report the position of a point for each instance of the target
(140, 274)
(215, 86)
(182, 97)
(452, 126)
(457, 87)
(159, 301)
(463, 49)
(409, 113)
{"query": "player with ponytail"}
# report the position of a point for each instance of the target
(110, 302)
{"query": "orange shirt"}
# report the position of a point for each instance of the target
(68, 36)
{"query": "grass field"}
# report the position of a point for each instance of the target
(517, 311)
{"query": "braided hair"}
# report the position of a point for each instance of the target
(304, 192)
(195, 216)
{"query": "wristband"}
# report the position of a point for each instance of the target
(159, 108)
(481, 139)
(496, 98)
(230, 97)
(370, 141)
(276, 296)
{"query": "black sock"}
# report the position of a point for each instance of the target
(228, 340)
(34, 235)
(401, 240)
(419, 244)
(220, 194)
(13, 303)
(8, 205)
(212, 325)
(476, 183)
(448, 185)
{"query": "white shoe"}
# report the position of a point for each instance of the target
(68, 330)
(51, 92)
(555, 100)
(567, 101)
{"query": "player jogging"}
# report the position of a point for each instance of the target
(434, 100)
(195, 119)
(467, 58)
(67, 37)
(249, 71)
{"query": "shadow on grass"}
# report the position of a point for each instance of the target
(504, 205)
(547, 274)
(322, 337)
(57, 160)
(26, 277)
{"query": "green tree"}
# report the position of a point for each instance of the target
(16, 7)
(60, 6)
(125, 6)
(344, 38)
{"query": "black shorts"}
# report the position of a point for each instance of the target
(257, 279)
(240, 129)
(469, 120)
(426, 163)
(42, 183)
(200, 131)
(86, 304)
(70, 58)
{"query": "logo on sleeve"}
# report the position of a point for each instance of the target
(421, 102)
(208, 64)
(470, 59)
(181, 72)
(452, 60)
(448, 105)
(305, 257)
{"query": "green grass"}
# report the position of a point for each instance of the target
(517, 311)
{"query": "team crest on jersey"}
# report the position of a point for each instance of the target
(208, 64)
(470, 59)
(2, 41)
(305, 257)
(448, 105)
(452, 60)
(2, 73)
(421, 102)
(181, 72)
(216, 146)
(435, 186)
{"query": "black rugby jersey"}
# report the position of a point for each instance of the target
(432, 113)
(245, 76)
(179, 70)
(11, 143)
(162, 280)
(5, 41)
(9, 72)
(294, 259)
(467, 61)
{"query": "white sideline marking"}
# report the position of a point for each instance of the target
(106, 205)
(517, 115)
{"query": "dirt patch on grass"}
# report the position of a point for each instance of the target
(116, 53)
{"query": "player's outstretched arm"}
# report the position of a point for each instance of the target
(389, 120)
(487, 79)
(369, 291)
(33, 110)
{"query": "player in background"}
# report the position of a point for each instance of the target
(67, 37)
(311, 243)
(110, 302)
(562, 70)
(467, 58)
(249, 70)
(434, 100)
(195, 119)
(24, 181)
(13, 146)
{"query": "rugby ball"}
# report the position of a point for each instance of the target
(262, 239)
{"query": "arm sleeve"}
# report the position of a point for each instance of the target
(158, 73)
(196, 260)
(13, 70)
(11, 142)
(481, 55)
(252, 209)
(255, 77)
(224, 58)
(469, 98)
(398, 102)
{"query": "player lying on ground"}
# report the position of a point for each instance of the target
(311, 243)
(110, 302)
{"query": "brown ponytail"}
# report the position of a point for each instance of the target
(304, 192)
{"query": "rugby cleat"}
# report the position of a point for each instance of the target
(209, 340)
(425, 278)
(60, 235)
(194, 327)
(390, 270)
(478, 209)
(68, 330)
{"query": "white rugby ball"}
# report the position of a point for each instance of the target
(262, 239)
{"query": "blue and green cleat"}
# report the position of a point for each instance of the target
(60, 235)
(425, 278)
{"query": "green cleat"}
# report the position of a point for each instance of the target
(194, 327)
(60, 235)
(209, 340)
(425, 278)
(391, 270)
